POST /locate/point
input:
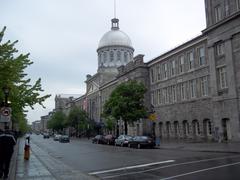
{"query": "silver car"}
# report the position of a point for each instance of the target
(123, 140)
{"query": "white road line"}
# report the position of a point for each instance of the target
(167, 166)
(131, 167)
(201, 170)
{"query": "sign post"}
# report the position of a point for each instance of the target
(5, 114)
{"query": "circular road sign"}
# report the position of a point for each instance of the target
(5, 111)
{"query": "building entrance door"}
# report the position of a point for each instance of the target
(226, 130)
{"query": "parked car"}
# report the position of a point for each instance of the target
(56, 137)
(98, 139)
(123, 140)
(109, 139)
(64, 138)
(45, 135)
(141, 141)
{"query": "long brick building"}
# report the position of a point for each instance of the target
(194, 88)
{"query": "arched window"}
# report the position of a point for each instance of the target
(125, 56)
(118, 56)
(104, 57)
(196, 127)
(111, 56)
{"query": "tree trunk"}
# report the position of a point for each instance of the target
(125, 127)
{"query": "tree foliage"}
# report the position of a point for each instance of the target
(110, 122)
(23, 92)
(57, 121)
(126, 102)
(78, 119)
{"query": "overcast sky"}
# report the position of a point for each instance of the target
(62, 35)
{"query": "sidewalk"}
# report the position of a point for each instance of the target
(42, 166)
(31, 169)
(233, 147)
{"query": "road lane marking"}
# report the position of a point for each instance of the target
(167, 166)
(130, 167)
(201, 170)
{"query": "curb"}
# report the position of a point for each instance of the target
(198, 150)
(13, 163)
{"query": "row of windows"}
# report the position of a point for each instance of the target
(179, 65)
(219, 13)
(181, 92)
(185, 127)
(115, 54)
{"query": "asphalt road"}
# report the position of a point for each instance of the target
(122, 163)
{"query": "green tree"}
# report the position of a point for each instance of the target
(57, 121)
(109, 122)
(23, 92)
(78, 119)
(126, 102)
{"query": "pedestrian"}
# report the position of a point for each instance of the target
(7, 142)
(27, 147)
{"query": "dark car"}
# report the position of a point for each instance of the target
(98, 139)
(123, 140)
(45, 135)
(64, 138)
(109, 139)
(141, 141)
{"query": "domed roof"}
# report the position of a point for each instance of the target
(115, 37)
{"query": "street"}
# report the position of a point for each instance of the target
(110, 162)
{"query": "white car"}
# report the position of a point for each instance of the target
(56, 137)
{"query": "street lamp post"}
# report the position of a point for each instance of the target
(117, 128)
(6, 91)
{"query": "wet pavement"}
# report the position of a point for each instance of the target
(80, 159)
(42, 166)
(32, 168)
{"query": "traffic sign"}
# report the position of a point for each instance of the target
(152, 117)
(5, 111)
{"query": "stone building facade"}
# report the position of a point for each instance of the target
(194, 88)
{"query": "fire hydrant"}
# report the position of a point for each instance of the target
(27, 148)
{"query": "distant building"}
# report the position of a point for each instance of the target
(36, 126)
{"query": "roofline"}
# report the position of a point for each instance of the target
(99, 48)
(177, 49)
(109, 83)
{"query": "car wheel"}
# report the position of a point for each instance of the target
(139, 146)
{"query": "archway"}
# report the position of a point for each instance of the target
(207, 128)
(185, 128)
(160, 128)
(176, 129)
(196, 128)
(168, 128)
(226, 129)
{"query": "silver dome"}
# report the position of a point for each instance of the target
(115, 38)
